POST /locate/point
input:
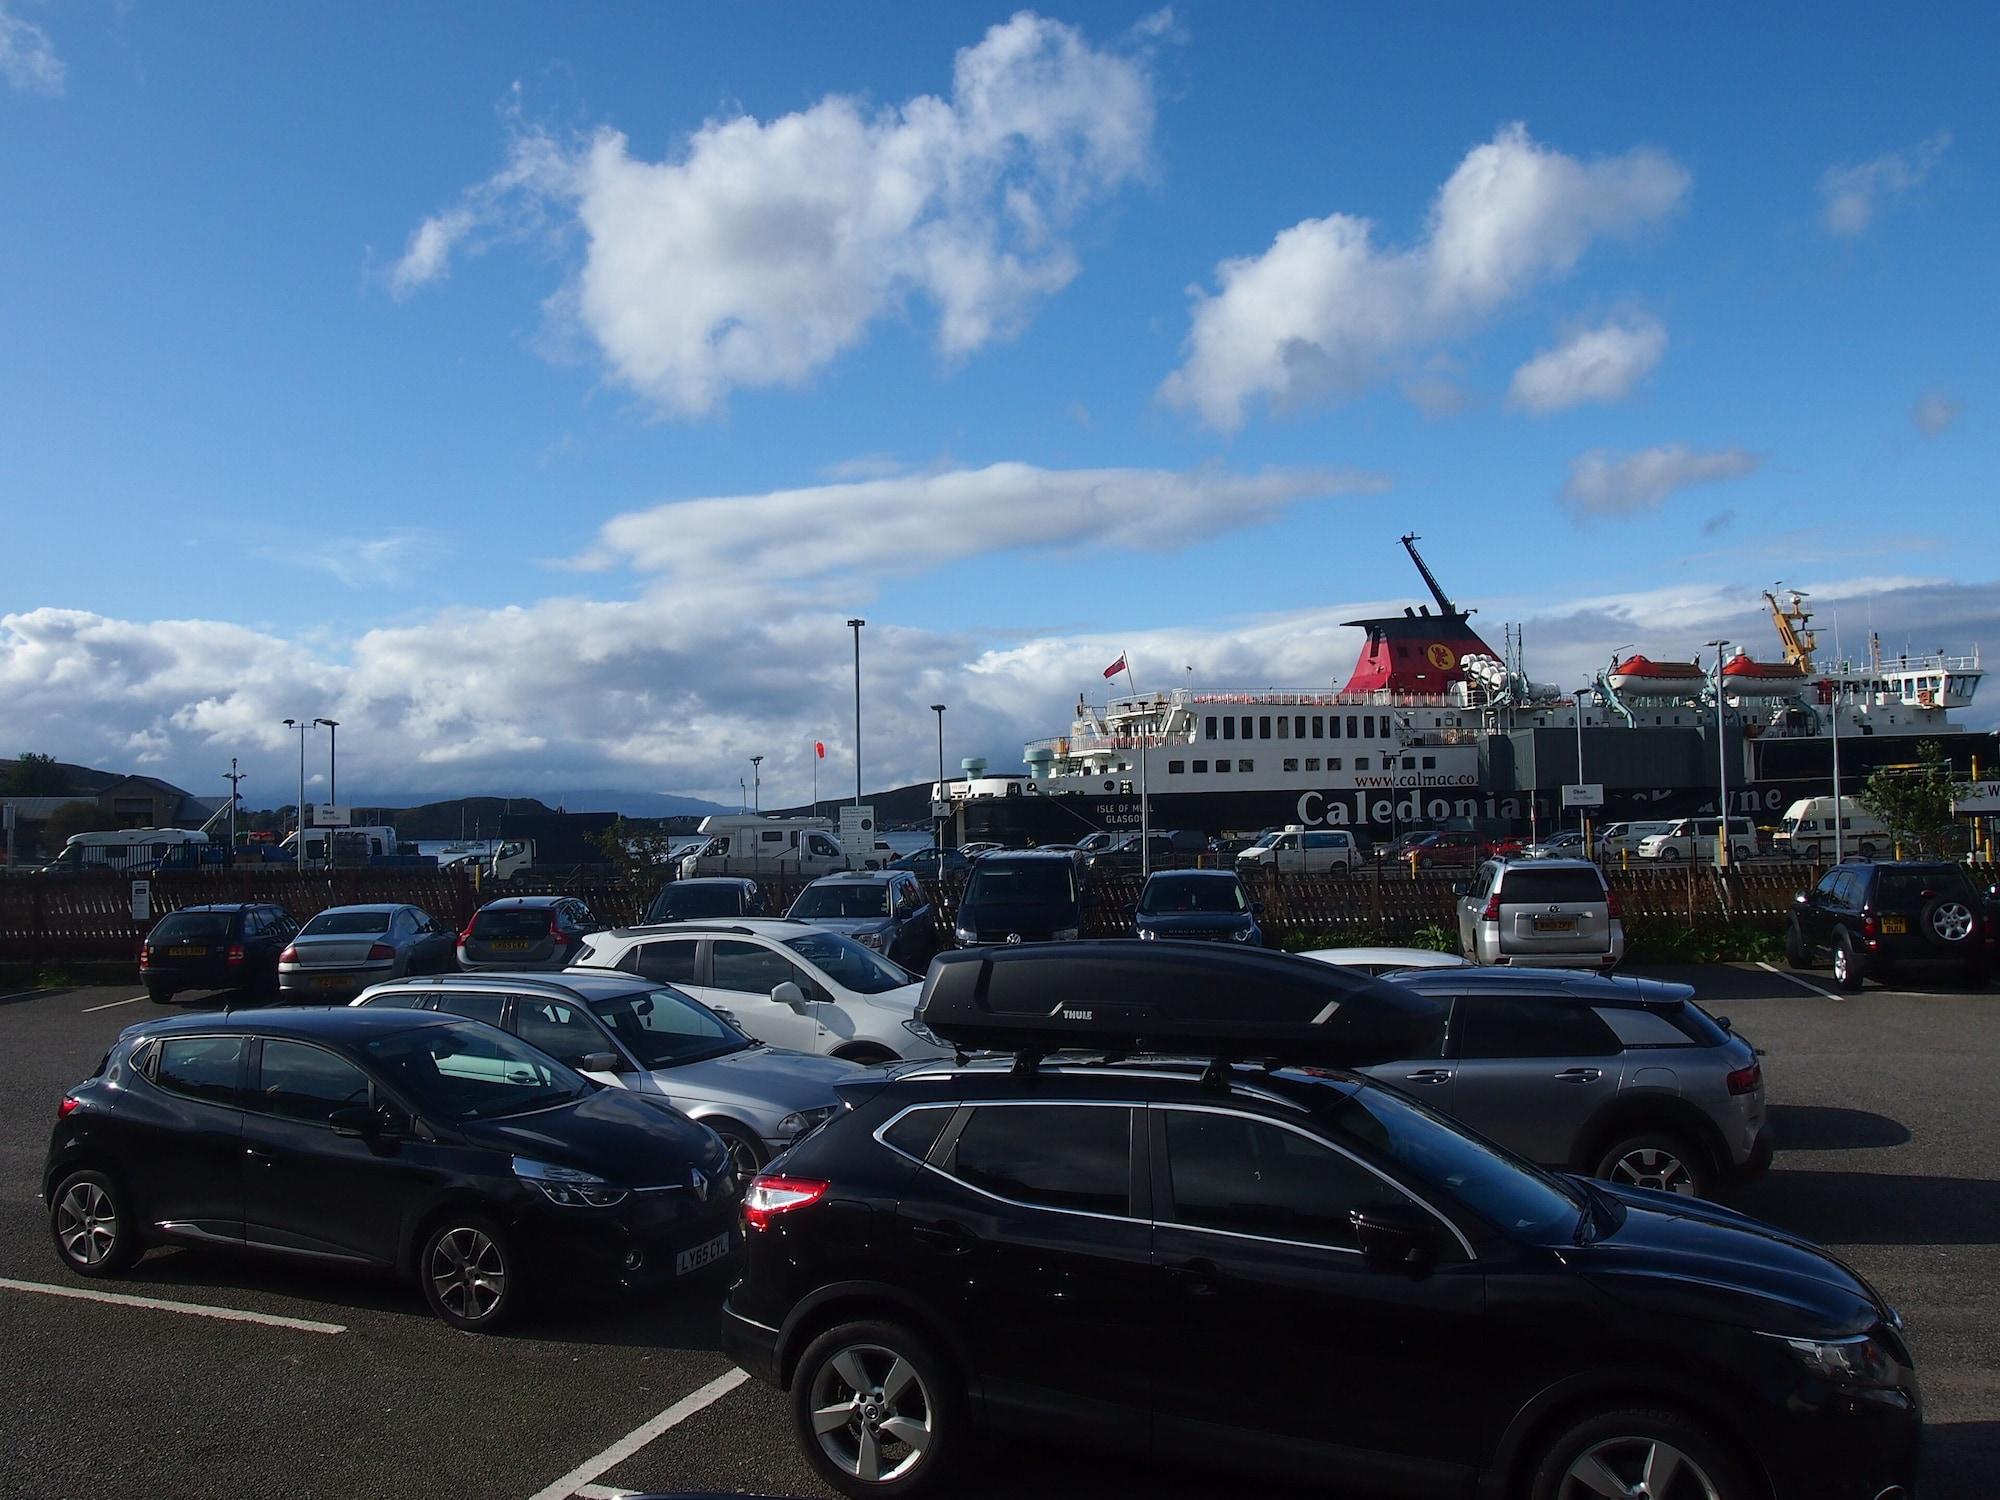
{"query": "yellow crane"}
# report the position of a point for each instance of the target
(1798, 641)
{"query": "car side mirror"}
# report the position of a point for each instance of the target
(1801, 898)
(355, 1121)
(1256, 908)
(600, 1062)
(1395, 1237)
(787, 992)
(1461, 887)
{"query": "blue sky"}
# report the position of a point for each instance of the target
(335, 343)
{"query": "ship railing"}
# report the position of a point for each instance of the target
(1382, 698)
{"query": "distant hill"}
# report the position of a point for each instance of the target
(82, 779)
(893, 806)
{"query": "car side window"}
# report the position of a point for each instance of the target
(474, 1005)
(1500, 1026)
(296, 1081)
(398, 1000)
(201, 1067)
(562, 1031)
(1829, 885)
(1246, 1176)
(663, 963)
(751, 969)
(253, 925)
(1049, 1155)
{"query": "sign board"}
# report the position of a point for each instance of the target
(7, 818)
(943, 809)
(142, 900)
(331, 815)
(1977, 799)
(1589, 794)
(857, 829)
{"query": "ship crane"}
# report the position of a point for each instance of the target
(1410, 540)
(1798, 641)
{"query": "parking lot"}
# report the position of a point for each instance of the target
(197, 1374)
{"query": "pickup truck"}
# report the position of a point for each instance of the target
(1295, 850)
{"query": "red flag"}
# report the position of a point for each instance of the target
(819, 748)
(1116, 667)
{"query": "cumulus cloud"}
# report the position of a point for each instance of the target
(920, 521)
(759, 251)
(1593, 364)
(1935, 411)
(1852, 195)
(1326, 309)
(28, 59)
(1602, 483)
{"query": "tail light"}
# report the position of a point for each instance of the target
(69, 1106)
(145, 957)
(235, 953)
(556, 932)
(380, 951)
(289, 956)
(767, 1197)
(465, 934)
(1613, 907)
(1871, 927)
(1492, 912)
(1746, 1080)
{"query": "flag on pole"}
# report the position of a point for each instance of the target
(819, 749)
(1115, 668)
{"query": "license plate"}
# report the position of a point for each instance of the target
(187, 953)
(1895, 924)
(1555, 924)
(329, 981)
(511, 945)
(701, 1255)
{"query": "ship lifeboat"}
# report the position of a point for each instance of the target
(1747, 678)
(1642, 677)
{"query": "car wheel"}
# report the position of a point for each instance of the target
(746, 1152)
(1949, 923)
(1668, 855)
(1867, 850)
(878, 1410)
(468, 1272)
(94, 1234)
(1660, 1454)
(1796, 953)
(1657, 1159)
(1847, 972)
(159, 994)
(867, 1054)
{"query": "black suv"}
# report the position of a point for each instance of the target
(1279, 1266)
(228, 947)
(1876, 918)
(1021, 897)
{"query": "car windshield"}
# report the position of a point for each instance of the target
(194, 926)
(678, 903)
(664, 1028)
(331, 922)
(848, 964)
(1499, 1187)
(847, 898)
(470, 1071)
(1021, 883)
(1165, 894)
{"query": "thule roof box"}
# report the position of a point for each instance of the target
(1179, 999)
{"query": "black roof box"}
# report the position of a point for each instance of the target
(1179, 999)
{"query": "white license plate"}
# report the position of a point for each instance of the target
(701, 1255)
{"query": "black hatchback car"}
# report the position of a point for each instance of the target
(430, 1146)
(1872, 919)
(1290, 1267)
(228, 947)
(526, 932)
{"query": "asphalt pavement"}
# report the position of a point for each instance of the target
(221, 1375)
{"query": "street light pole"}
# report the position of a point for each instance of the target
(855, 626)
(757, 783)
(1721, 763)
(937, 813)
(299, 820)
(332, 759)
(1582, 812)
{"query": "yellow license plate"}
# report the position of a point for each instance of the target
(1895, 924)
(1555, 924)
(512, 945)
(329, 981)
(187, 953)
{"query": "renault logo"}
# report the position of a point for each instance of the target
(1013, 937)
(699, 1183)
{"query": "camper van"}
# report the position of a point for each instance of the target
(1807, 831)
(136, 851)
(747, 844)
(351, 848)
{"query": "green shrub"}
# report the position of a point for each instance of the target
(1705, 941)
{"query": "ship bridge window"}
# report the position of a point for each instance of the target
(1208, 730)
(1263, 728)
(1298, 726)
(1229, 729)
(1176, 767)
(1333, 762)
(1319, 727)
(1250, 725)
(1312, 762)
(1353, 728)
(1246, 765)
(1430, 762)
(1284, 727)
(1409, 763)
(1221, 765)
(1201, 768)
(1360, 762)
(1368, 727)
(1291, 764)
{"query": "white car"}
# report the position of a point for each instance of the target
(1386, 960)
(786, 983)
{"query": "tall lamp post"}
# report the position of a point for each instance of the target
(855, 626)
(1721, 763)
(757, 783)
(299, 822)
(937, 813)
(332, 759)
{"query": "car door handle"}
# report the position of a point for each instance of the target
(1198, 1278)
(946, 1236)
(1429, 1075)
(1579, 1075)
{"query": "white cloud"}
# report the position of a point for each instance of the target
(914, 522)
(28, 59)
(369, 561)
(1592, 364)
(1602, 483)
(1935, 411)
(1326, 310)
(761, 250)
(1852, 195)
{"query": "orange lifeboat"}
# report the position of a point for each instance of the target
(1642, 677)
(1748, 678)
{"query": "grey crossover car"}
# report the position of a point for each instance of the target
(347, 948)
(644, 1036)
(1624, 1079)
(1541, 913)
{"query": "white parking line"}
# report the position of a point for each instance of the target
(110, 1005)
(23, 994)
(578, 1481)
(195, 1309)
(1804, 984)
(603, 1492)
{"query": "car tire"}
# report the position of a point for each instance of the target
(1797, 954)
(94, 1230)
(1949, 923)
(746, 1152)
(1669, 855)
(159, 994)
(1598, 1451)
(867, 1054)
(876, 1374)
(1664, 1160)
(1848, 971)
(469, 1273)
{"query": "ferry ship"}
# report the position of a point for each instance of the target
(1433, 728)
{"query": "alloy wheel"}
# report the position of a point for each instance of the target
(1653, 1167)
(1636, 1468)
(468, 1273)
(745, 1160)
(87, 1223)
(1952, 921)
(871, 1414)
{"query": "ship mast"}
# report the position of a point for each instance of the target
(1799, 642)
(1410, 540)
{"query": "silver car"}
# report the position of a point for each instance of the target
(1624, 1079)
(637, 1034)
(1541, 913)
(346, 948)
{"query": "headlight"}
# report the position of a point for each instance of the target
(965, 934)
(1858, 1360)
(925, 1035)
(1063, 934)
(568, 1186)
(799, 1121)
(1147, 933)
(1244, 934)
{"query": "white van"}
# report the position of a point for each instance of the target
(747, 844)
(379, 840)
(1694, 838)
(1807, 830)
(1621, 839)
(1299, 850)
(131, 849)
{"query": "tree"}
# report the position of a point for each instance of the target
(73, 818)
(36, 775)
(1915, 801)
(636, 853)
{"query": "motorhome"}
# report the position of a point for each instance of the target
(1807, 829)
(350, 846)
(134, 850)
(748, 844)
